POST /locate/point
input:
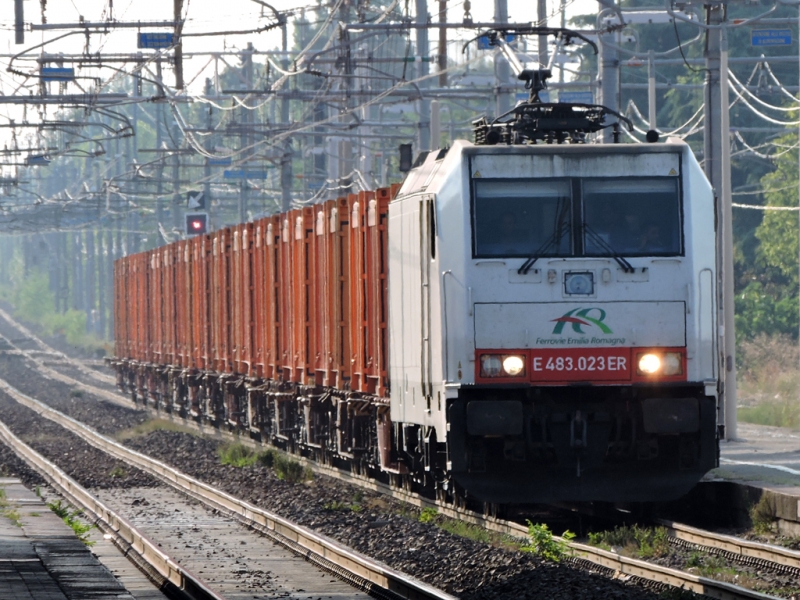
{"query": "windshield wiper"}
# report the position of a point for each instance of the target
(595, 237)
(540, 251)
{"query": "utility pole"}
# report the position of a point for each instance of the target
(423, 52)
(159, 144)
(210, 148)
(19, 22)
(608, 71)
(286, 159)
(501, 66)
(246, 135)
(541, 14)
(178, 11)
(717, 166)
(442, 44)
(651, 90)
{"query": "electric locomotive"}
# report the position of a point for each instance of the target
(553, 316)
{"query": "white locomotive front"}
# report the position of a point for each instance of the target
(553, 319)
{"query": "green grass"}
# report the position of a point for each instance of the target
(632, 540)
(71, 518)
(288, 470)
(776, 413)
(768, 381)
(237, 455)
(118, 473)
(763, 515)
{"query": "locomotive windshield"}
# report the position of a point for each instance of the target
(516, 218)
(571, 217)
(631, 217)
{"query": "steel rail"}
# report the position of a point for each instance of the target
(359, 570)
(743, 551)
(372, 572)
(162, 570)
(775, 558)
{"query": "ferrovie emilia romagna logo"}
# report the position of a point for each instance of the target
(578, 317)
(582, 326)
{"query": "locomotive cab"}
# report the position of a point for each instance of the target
(558, 309)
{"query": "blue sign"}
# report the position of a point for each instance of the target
(157, 40)
(483, 41)
(58, 74)
(576, 97)
(771, 37)
(242, 174)
(220, 162)
(37, 160)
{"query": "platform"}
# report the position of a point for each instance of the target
(762, 461)
(41, 558)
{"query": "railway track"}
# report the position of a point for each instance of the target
(742, 551)
(358, 570)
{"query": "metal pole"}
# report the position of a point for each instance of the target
(651, 90)
(19, 22)
(717, 166)
(501, 66)
(423, 52)
(442, 44)
(609, 77)
(541, 15)
(286, 159)
(178, 8)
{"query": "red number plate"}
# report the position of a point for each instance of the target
(581, 364)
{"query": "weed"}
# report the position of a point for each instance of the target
(237, 455)
(542, 542)
(118, 473)
(762, 515)
(289, 470)
(266, 457)
(34, 514)
(643, 542)
(338, 505)
(71, 518)
(428, 515)
(358, 496)
(75, 394)
(38, 491)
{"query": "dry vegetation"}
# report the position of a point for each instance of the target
(768, 380)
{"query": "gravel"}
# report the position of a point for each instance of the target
(89, 466)
(382, 528)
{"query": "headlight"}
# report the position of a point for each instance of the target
(513, 365)
(673, 363)
(649, 364)
(499, 365)
(668, 363)
(491, 365)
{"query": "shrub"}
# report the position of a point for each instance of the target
(289, 470)
(236, 455)
(542, 543)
